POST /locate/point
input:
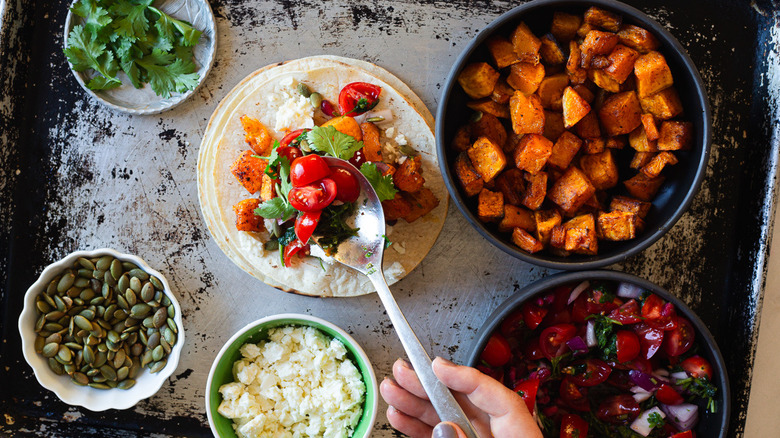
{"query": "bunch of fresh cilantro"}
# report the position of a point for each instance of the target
(133, 36)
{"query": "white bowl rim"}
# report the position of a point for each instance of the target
(97, 400)
(303, 318)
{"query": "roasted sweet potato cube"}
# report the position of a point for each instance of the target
(551, 51)
(616, 225)
(478, 79)
(258, 137)
(601, 169)
(372, 148)
(599, 62)
(535, 190)
(553, 125)
(652, 74)
(639, 141)
(502, 51)
(580, 235)
(617, 142)
(594, 203)
(596, 43)
(657, 164)
(502, 93)
(546, 220)
(526, 241)
(346, 125)
(663, 105)
(469, 178)
(641, 159)
(488, 106)
(630, 205)
(532, 152)
(577, 74)
(564, 26)
(603, 81)
(421, 203)
(526, 44)
(651, 128)
(564, 150)
(571, 190)
(588, 127)
(462, 140)
(527, 113)
(551, 91)
(511, 143)
(268, 188)
(517, 217)
(675, 136)
(487, 157)
(584, 93)
(512, 185)
(604, 19)
(574, 107)
(637, 38)
(593, 145)
(490, 206)
(246, 220)
(249, 170)
(620, 114)
(621, 63)
(584, 29)
(488, 126)
(642, 187)
(525, 76)
(408, 177)
(558, 238)
(397, 207)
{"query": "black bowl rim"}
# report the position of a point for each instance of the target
(640, 243)
(511, 303)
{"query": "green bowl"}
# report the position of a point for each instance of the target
(254, 332)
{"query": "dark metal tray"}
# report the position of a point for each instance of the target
(75, 175)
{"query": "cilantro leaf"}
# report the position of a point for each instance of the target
(383, 185)
(102, 83)
(84, 53)
(333, 226)
(333, 142)
(167, 74)
(95, 17)
(166, 24)
(279, 207)
(655, 420)
(273, 161)
(131, 21)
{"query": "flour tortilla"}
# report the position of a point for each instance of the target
(218, 189)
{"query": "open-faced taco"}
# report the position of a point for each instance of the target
(368, 116)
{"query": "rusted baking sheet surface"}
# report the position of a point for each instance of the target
(75, 175)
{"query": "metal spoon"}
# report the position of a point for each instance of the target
(364, 253)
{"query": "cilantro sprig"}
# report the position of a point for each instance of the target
(279, 207)
(701, 387)
(383, 185)
(334, 143)
(133, 36)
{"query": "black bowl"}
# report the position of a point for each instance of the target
(682, 180)
(710, 425)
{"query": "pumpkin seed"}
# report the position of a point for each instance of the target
(56, 367)
(131, 322)
(40, 342)
(52, 327)
(122, 373)
(69, 368)
(135, 284)
(86, 263)
(81, 282)
(170, 338)
(131, 298)
(58, 303)
(123, 283)
(51, 289)
(100, 358)
(158, 366)
(98, 378)
(157, 353)
(79, 379)
(104, 263)
(73, 346)
(99, 386)
(50, 350)
(149, 322)
(55, 315)
(65, 282)
(72, 293)
(49, 300)
(156, 282)
(39, 324)
(147, 292)
(43, 306)
(172, 325)
(122, 302)
(146, 358)
(87, 294)
(119, 359)
(83, 323)
(88, 314)
(54, 337)
(126, 384)
(109, 279)
(105, 290)
(160, 317)
(116, 269)
(139, 274)
(97, 274)
(137, 349)
(153, 340)
(95, 285)
(113, 337)
(140, 310)
(64, 353)
(166, 346)
(97, 301)
(85, 273)
(128, 266)
(88, 354)
(315, 99)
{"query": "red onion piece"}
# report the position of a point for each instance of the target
(577, 345)
(642, 423)
(683, 416)
(577, 291)
(629, 290)
(643, 380)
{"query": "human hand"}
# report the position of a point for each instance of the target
(494, 410)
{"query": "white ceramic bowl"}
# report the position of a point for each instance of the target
(147, 384)
(254, 332)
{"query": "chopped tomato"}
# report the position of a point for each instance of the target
(600, 301)
(627, 314)
(527, 391)
(305, 224)
(698, 367)
(313, 197)
(497, 352)
(553, 339)
(650, 339)
(686, 434)
(533, 314)
(292, 137)
(347, 187)
(588, 372)
(679, 340)
(573, 396)
(627, 345)
(573, 426)
(289, 152)
(306, 170)
(579, 309)
(532, 350)
(618, 409)
(358, 97)
(512, 323)
(291, 249)
(358, 159)
(658, 314)
(561, 296)
(667, 395)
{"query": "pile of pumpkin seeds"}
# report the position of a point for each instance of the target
(102, 320)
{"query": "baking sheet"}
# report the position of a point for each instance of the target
(76, 175)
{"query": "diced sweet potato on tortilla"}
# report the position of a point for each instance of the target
(571, 190)
(462, 140)
(551, 51)
(517, 217)
(574, 107)
(469, 178)
(580, 235)
(600, 169)
(488, 106)
(258, 137)
(637, 38)
(617, 225)
(420, 202)
(532, 153)
(630, 205)
(546, 220)
(346, 125)
(577, 74)
(564, 150)
(249, 170)
(564, 26)
(526, 44)
(606, 20)
(535, 190)
(488, 126)
(490, 206)
(641, 159)
(246, 220)
(372, 148)
(268, 188)
(620, 114)
(526, 241)
(397, 207)
(657, 164)
(675, 136)
(512, 185)
(501, 94)
(594, 145)
(502, 51)
(621, 63)
(408, 177)
(525, 76)
(553, 125)
(596, 43)
(664, 105)
(478, 79)
(551, 91)
(487, 158)
(652, 74)
(588, 127)
(642, 187)
(527, 113)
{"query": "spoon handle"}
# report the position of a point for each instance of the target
(441, 397)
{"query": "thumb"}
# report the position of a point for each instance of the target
(447, 430)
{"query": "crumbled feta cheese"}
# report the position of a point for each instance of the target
(293, 111)
(399, 248)
(400, 139)
(389, 132)
(299, 383)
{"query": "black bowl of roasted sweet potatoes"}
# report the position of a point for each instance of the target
(573, 134)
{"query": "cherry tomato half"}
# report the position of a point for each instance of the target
(289, 152)
(588, 372)
(679, 340)
(573, 396)
(627, 345)
(512, 323)
(667, 395)
(497, 352)
(533, 314)
(658, 314)
(347, 187)
(697, 366)
(617, 409)
(358, 97)
(527, 390)
(313, 197)
(573, 426)
(627, 314)
(650, 339)
(306, 170)
(553, 339)
(686, 434)
(532, 350)
(291, 249)
(358, 159)
(305, 224)
(292, 137)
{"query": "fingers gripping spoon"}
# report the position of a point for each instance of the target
(364, 253)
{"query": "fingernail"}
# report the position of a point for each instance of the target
(405, 364)
(444, 430)
(445, 361)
